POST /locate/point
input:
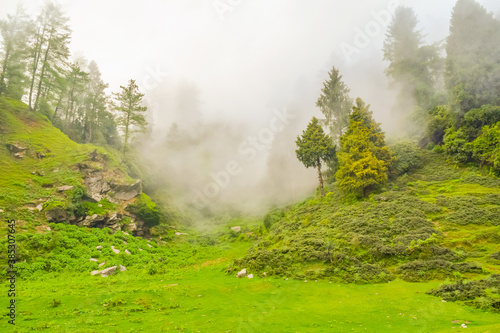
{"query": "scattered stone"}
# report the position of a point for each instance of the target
(94, 272)
(236, 229)
(126, 233)
(56, 215)
(99, 247)
(39, 207)
(1, 210)
(99, 205)
(125, 242)
(115, 250)
(149, 245)
(102, 264)
(122, 268)
(140, 249)
(48, 228)
(108, 271)
(250, 276)
(264, 273)
(65, 188)
(241, 273)
(180, 233)
(93, 259)
(127, 252)
(15, 148)
(19, 155)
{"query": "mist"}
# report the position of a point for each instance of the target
(230, 84)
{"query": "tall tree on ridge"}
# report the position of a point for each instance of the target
(131, 116)
(49, 50)
(472, 73)
(335, 103)
(315, 148)
(364, 158)
(415, 67)
(15, 31)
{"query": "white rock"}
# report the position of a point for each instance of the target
(1, 210)
(39, 207)
(115, 250)
(108, 271)
(237, 228)
(250, 276)
(140, 249)
(99, 247)
(241, 273)
(94, 272)
(122, 268)
(93, 259)
(48, 228)
(126, 233)
(127, 252)
(149, 245)
(102, 264)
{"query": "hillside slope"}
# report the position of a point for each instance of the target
(46, 177)
(437, 223)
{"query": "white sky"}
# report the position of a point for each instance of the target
(252, 59)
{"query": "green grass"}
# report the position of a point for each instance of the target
(200, 298)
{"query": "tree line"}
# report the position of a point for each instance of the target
(448, 101)
(35, 67)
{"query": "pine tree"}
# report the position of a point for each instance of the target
(15, 34)
(364, 158)
(131, 116)
(335, 103)
(49, 52)
(472, 73)
(315, 148)
(414, 67)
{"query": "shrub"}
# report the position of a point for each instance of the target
(145, 210)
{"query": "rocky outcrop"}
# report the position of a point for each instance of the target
(15, 148)
(124, 192)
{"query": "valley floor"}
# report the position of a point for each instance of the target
(202, 298)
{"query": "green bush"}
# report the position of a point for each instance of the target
(145, 210)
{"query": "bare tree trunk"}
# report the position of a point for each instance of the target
(42, 73)
(320, 177)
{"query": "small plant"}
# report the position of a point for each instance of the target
(55, 303)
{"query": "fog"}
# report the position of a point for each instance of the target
(240, 80)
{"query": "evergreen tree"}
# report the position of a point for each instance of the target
(49, 52)
(131, 116)
(415, 67)
(15, 32)
(364, 158)
(472, 73)
(315, 148)
(335, 103)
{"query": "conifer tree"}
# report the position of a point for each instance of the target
(131, 117)
(315, 148)
(335, 103)
(364, 158)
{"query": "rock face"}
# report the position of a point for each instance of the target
(125, 192)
